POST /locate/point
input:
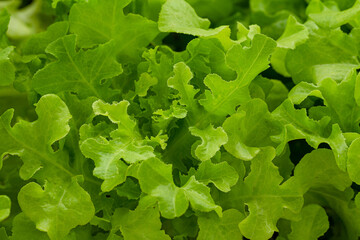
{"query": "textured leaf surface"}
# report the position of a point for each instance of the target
(148, 220)
(213, 227)
(130, 31)
(222, 175)
(32, 141)
(173, 201)
(57, 208)
(266, 198)
(178, 16)
(313, 224)
(211, 141)
(126, 146)
(80, 72)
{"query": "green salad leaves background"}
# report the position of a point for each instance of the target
(179, 119)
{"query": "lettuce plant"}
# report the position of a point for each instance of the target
(179, 119)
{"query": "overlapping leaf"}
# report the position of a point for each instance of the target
(32, 140)
(81, 72)
(125, 147)
(266, 199)
(57, 208)
(173, 200)
(131, 32)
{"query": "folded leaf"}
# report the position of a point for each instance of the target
(178, 16)
(250, 129)
(340, 100)
(126, 145)
(328, 18)
(294, 34)
(211, 141)
(224, 96)
(180, 82)
(222, 175)
(297, 125)
(172, 200)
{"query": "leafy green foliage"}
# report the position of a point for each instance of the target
(83, 74)
(5, 204)
(313, 223)
(179, 119)
(146, 218)
(56, 209)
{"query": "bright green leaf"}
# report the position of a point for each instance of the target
(212, 227)
(266, 199)
(249, 129)
(57, 208)
(180, 82)
(139, 224)
(211, 141)
(353, 164)
(248, 62)
(222, 175)
(5, 205)
(32, 141)
(131, 32)
(38, 43)
(328, 18)
(313, 224)
(224, 96)
(297, 125)
(178, 16)
(81, 72)
(294, 34)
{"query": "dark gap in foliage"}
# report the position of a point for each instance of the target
(298, 149)
(330, 233)
(346, 28)
(276, 234)
(324, 145)
(242, 4)
(100, 214)
(177, 41)
(23, 107)
(272, 74)
(25, 3)
(356, 187)
(55, 146)
(309, 102)
(318, 101)
(98, 119)
(176, 177)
